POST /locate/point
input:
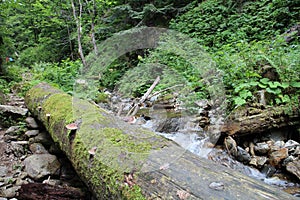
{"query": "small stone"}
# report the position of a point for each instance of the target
(37, 148)
(261, 160)
(18, 150)
(12, 130)
(243, 155)
(10, 192)
(277, 156)
(261, 148)
(253, 161)
(3, 171)
(258, 161)
(217, 186)
(20, 182)
(32, 133)
(31, 123)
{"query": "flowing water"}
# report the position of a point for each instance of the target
(193, 139)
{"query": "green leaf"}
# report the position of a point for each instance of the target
(285, 98)
(274, 91)
(264, 80)
(238, 101)
(254, 83)
(274, 84)
(285, 85)
(245, 94)
(295, 84)
(262, 86)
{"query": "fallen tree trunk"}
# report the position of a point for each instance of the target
(253, 120)
(121, 161)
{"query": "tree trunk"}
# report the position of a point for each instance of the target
(121, 161)
(253, 120)
(79, 28)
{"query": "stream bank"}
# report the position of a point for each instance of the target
(32, 166)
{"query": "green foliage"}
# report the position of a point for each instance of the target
(62, 75)
(243, 63)
(216, 22)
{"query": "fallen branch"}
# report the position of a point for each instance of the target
(136, 107)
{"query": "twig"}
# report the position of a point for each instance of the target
(158, 92)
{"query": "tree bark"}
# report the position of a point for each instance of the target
(253, 120)
(121, 161)
(79, 28)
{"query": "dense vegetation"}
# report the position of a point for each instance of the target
(50, 40)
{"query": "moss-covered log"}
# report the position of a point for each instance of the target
(254, 120)
(121, 161)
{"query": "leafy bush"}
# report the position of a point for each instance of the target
(62, 75)
(217, 22)
(243, 63)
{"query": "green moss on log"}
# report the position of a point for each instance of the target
(117, 152)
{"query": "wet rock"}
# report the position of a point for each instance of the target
(277, 156)
(243, 155)
(268, 170)
(31, 123)
(32, 133)
(40, 165)
(294, 167)
(258, 161)
(261, 148)
(37, 148)
(292, 145)
(169, 125)
(287, 160)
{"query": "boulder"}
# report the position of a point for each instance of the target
(261, 148)
(31, 123)
(40, 165)
(277, 156)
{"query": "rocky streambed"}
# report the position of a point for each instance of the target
(272, 156)
(31, 164)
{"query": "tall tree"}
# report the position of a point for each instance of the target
(77, 18)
